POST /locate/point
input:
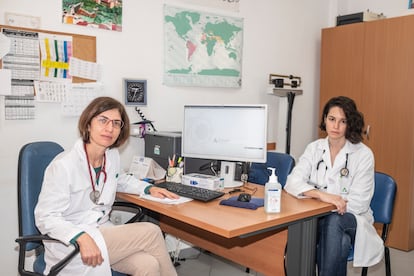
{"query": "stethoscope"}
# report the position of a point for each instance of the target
(95, 194)
(343, 172)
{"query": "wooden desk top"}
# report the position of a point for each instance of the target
(232, 222)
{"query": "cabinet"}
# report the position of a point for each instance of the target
(373, 63)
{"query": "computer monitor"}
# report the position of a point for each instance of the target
(228, 133)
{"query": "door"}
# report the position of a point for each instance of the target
(387, 103)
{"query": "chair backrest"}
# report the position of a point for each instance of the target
(282, 162)
(382, 203)
(33, 160)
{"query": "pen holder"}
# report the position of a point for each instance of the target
(174, 174)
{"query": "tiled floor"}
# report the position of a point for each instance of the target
(200, 263)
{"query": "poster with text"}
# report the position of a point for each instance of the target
(230, 5)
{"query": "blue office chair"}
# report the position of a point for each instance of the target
(282, 162)
(33, 160)
(382, 205)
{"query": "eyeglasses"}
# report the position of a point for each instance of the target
(104, 121)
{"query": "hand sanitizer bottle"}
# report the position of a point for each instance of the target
(273, 192)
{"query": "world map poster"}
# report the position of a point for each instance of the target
(202, 49)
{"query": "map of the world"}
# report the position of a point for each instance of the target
(202, 49)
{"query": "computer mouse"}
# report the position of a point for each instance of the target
(243, 197)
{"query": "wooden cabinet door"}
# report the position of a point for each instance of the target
(387, 103)
(341, 63)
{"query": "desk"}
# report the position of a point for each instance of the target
(250, 238)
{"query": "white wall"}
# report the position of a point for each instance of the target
(280, 37)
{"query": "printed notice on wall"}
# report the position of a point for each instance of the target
(230, 5)
(5, 82)
(23, 62)
(51, 92)
(56, 51)
(5, 44)
(78, 96)
(84, 69)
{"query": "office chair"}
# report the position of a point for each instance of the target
(33, 160)
(382, 205)
(282, 162)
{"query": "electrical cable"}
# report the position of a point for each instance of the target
(142, 116)
(211, 165)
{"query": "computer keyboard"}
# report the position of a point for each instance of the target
(193, 192)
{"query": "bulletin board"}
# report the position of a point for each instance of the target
(84, 46)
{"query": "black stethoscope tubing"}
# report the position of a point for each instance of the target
(321, 161)
(343, 172)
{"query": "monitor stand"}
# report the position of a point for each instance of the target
(228, 172)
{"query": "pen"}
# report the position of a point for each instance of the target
(181, 164)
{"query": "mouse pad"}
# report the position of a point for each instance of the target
(254, 203)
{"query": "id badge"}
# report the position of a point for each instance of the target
(344, 186)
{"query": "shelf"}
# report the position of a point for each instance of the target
(283, 92)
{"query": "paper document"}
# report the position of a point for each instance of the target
(179, 200)
(145, 167)
(5, 82)
(84, 69)
(56, 52)
(23, 56)
(5, 44)
(47, 91)
(78, 96)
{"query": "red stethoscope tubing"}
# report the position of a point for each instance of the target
(100, 171)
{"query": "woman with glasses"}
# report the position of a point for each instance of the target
(77, 195)
(339, 169)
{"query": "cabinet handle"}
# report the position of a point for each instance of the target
(367, 131)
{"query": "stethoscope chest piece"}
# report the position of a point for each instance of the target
(344, 172)
(94, 196)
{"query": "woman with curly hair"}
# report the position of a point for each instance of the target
(339, 169)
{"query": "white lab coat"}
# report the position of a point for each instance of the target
(64, 208)
(357, 188)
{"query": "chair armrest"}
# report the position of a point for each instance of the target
(22, 241)
(131, 208)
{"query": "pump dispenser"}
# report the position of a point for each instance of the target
(273, 193)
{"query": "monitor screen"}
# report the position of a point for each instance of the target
(225, 132)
